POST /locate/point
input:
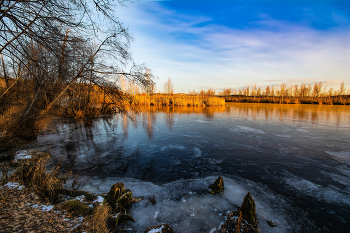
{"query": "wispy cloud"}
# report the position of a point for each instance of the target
(192, 50)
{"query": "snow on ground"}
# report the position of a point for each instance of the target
(23, 154)
(44, 208)
(14, 185)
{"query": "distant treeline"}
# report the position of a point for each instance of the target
(293, 94)
(329, 100)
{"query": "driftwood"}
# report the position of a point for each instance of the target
(152, 200)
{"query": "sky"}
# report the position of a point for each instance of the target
(202, 44)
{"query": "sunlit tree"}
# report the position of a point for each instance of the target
(168, 87)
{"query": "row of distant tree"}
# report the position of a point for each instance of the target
(302, 90)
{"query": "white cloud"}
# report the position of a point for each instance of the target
(176, 46)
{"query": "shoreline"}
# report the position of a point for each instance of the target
(24, 211)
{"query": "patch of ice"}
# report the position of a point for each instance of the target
(321, 193)
(197, 152)
(170, 208)
(202, 121)
(23, 154)
(172, 147)
(341, 155)
(245, 129)
(302, 130)
(282, 136)
(158, 230)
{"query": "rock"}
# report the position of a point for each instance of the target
(248, 208)
(163, 228)
(217, 187)
(271, 224)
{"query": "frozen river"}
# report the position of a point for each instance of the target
(293, 159)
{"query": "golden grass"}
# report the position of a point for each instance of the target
(99, 219)
(35, 175)
(177, 100)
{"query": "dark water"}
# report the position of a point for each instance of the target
(294, 159)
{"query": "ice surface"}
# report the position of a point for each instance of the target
(172, 147)
(245, 129)
(328, 194)
(23, 154)
(197, 152)
(341, 155)
(185, 204)
(282, 136)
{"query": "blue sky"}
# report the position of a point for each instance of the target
(235, 43)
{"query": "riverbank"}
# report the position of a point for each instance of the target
(25, 208)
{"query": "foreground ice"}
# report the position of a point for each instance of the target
(187, 207)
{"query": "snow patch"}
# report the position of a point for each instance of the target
(44, 208)
(99, 199)
(80, 198)
(23, 154)
(14, 185)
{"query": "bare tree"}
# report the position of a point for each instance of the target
(168, 87)
(48, 47)
(342, 89)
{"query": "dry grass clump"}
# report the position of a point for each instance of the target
(35, 175)
(177, 100)
(75, 207)
(99, 219)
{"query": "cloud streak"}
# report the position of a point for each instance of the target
(191, 49)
